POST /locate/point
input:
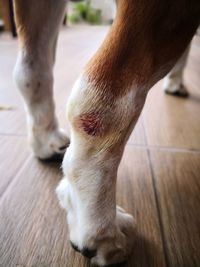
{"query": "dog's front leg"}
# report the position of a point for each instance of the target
(37, 26)
(102, 111)
(99, 130)
(97, 229)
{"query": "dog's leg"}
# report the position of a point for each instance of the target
(37, 26)
(105, 103)
(173, 82)
(100, 126)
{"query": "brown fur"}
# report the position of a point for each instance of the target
(144, 42)
(32, 23)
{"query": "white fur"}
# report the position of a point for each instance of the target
(34, 77)
(36, 88)
(87, 190)
(173, 82)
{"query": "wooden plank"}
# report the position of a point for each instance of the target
(175, 122)
(13, 153)
(33, 228)
(177, 178)
(13, 122)
(170, 121)
(135, 194)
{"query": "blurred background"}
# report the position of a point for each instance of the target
(89, 12)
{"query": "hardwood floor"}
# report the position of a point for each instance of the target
(178, 183)
(158, 178)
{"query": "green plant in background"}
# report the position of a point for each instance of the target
(83, 11)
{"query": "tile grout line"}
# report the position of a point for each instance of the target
(159, 217)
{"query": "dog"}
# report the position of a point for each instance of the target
(144, 43)
(173, 82)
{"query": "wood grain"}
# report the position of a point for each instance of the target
(13, 153)
(177, 178)
(175, 122)
(13, 122)
(33, 228)
(135, 193)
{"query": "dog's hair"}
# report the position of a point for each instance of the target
(143, 44)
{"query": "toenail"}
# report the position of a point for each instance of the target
(54, 158)
(63, 147)
(89, 253)
(74, 247)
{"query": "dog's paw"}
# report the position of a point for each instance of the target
(103, 240)
(62, 191)
(174, 87)
(50, 144)
(109, 246)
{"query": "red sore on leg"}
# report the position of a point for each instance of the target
(91, 123)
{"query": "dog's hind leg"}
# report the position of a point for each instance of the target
(173, 82)
(37, 26)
